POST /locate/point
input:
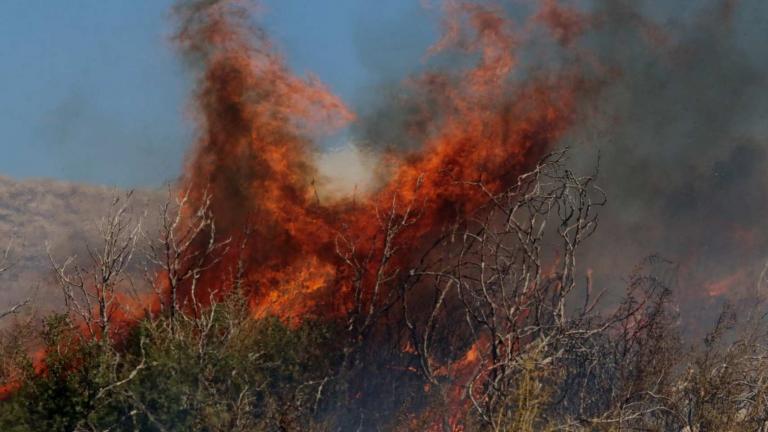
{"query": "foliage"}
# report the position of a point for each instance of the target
(242, 374)
(487, 333)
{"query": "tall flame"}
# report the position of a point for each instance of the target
(257, 122)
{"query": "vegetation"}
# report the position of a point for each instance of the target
(240, 375)
(484, 334)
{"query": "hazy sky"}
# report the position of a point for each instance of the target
(95, 92)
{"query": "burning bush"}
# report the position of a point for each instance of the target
(447, 298)
(489, 330)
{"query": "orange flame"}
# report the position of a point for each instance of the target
(254, 154)
(257, 126)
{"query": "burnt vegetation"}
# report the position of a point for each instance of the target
(492, 330)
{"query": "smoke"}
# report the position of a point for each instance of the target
(674, 113)
(259, 126)
(89, 143)
(682, 141)
(345, 172)
(667, 95)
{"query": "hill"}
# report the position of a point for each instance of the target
(41, 215)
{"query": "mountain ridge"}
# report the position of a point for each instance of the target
(42, 215)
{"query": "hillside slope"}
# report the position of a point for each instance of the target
(43, 215)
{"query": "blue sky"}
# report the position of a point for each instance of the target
(95, 92)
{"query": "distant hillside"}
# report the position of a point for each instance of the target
(40, 214)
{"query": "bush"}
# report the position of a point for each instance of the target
(219, 373)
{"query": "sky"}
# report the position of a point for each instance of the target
(96, 93)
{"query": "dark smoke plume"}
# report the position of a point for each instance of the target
(682, 140)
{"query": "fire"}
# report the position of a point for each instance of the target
(565, 23)
(14, 382)
(307, 254)
(257, 126)
(729, 283)
(255, 157)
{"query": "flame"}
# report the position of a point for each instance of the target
(729, 283)
(14, 381)
(258, 124)
(565, 23)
